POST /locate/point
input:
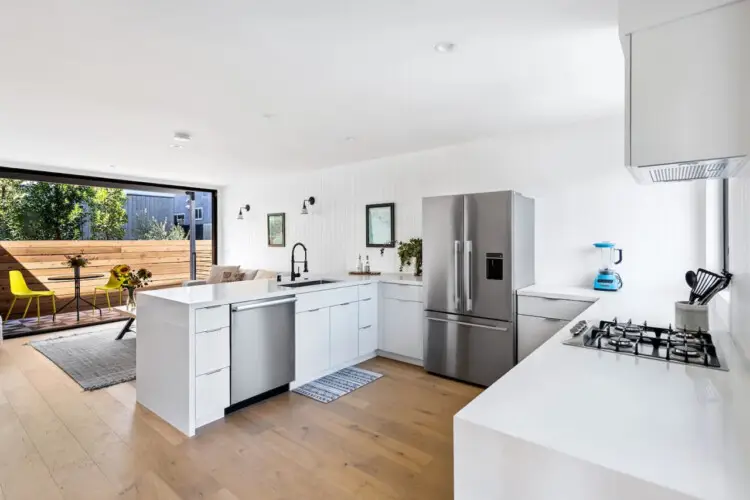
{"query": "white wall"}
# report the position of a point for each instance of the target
(575, 173)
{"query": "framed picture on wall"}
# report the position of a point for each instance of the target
(276, 230)
(381, 226)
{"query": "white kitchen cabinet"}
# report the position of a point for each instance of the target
(344, 333)
(312, 343)
(547, 307)
(212, 350)
(534, 331)
(211, 396)
(368, 312)
(402, 328)
(368, 340)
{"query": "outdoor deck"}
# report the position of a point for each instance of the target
(64, 321)
(38, 261)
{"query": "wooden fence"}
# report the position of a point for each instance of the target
(168, 260)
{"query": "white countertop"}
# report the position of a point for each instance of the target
(242, 291)
(681, 427)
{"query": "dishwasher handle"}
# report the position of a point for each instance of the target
(258, 305)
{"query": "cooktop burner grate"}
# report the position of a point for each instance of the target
(666, 344)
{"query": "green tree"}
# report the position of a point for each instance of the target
(107, 214)
(10, 192)
(49, 211)
(148, 228)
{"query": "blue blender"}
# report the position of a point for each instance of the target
(607, 279)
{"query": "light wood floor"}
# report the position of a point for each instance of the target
(390, 439)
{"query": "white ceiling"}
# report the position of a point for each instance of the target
(277, 85)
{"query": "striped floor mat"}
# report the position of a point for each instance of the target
(337, 384)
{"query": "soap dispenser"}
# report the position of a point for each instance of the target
(367, 264)
(359, 263)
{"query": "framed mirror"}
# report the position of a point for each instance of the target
(276, 230)
(381, 225)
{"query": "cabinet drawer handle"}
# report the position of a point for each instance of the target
(342, 305)
(211, 331)
(211, 373)
(365, 300)
(365, 327)
(313, 310)
(214, 307)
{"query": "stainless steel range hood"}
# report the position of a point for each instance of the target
(689, 171)
(687, 89)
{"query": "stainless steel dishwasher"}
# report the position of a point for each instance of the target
(262, 349)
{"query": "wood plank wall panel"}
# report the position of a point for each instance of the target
(169, 261)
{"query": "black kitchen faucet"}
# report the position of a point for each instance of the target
(296, 274)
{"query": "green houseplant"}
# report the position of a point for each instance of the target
(409, 250)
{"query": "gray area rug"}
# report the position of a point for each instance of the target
(94, 360)
(337, 384)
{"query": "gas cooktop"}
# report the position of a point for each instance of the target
(665, 344)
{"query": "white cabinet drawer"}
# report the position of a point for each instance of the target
(368, 340)
(551, 308)
(211, 396)
(402, 328)
(344, 334)
(368, 291)
(534, 331)
(411, 293)
(312, 344)
(327, 298)
(368, 312)
(211, 318)
(211, 350)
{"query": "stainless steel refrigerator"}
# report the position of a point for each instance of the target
(477, 250)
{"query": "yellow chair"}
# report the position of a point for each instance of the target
(21, 290)
(114, 284)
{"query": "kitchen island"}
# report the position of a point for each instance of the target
(579, 424)
(184, 351)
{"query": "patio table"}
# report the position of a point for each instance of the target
(129, 323)
(77, 277)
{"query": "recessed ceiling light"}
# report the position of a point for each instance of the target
(182, 136)
(445, 47)
(176, 146)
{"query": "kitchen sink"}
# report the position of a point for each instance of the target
(298, 284)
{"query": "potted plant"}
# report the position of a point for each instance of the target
(409, 250)
(131, 280)
(76, 262)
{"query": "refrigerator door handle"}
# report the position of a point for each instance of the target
(469, 273)
(463, 323)
(456, 286)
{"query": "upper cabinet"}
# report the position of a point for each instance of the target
(688, 99)
(636, 15)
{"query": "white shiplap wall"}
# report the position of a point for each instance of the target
(575, 173)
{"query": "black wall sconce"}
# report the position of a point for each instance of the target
(311, 201)
(246, 208)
